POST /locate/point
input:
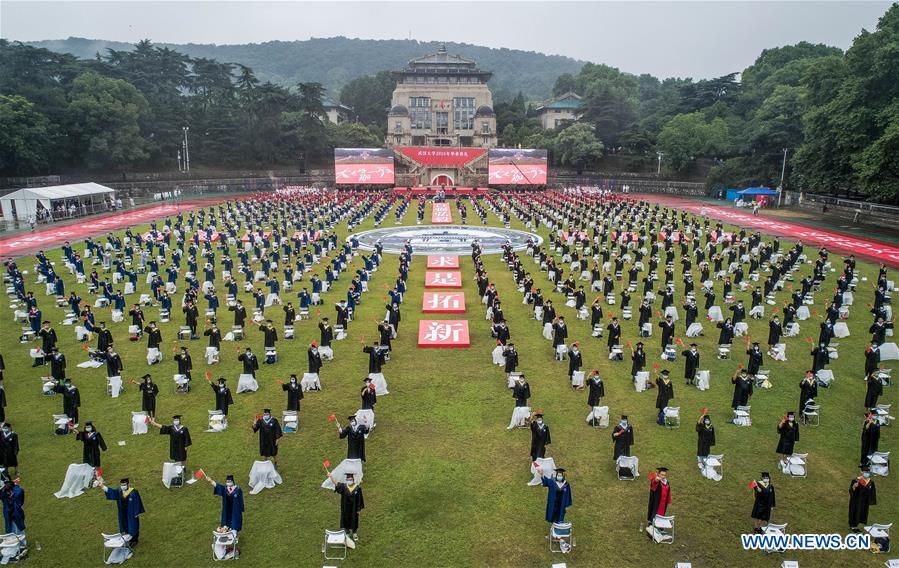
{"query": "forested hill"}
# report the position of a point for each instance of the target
(335, 61)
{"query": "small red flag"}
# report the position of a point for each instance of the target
(655, 365)
(808, 339)
(99, 472)
(208, 374)
(199, 474)
(752, 484)
(628, 344)
(704, 411)
(84, 346)
(318, 312)
(146, 419)
(70, 424)
(326, 463)
(332, 418)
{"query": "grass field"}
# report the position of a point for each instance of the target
(445, 482)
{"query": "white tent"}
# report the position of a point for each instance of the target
(23, 203)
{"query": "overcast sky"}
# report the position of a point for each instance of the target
(688, 39)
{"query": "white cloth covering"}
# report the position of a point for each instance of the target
(310, 381)
(640, 380)
(90, 364)
(78, 478)
(115, 386)
(139, 422)
(740, 329)
(153, 355)
(548, 331)
(715, 314)
(498, 358)
(247, 383)
(708, 467)
(327, 354)
(380, 383)
(340, 472)
(212, 355)
(119, 549)
(171, 470)
(263, 475)
(840, 330)
(547, 466)
(577, 379)
(600, 413)
(671, 311)
(519, 416)
(802, 313)
(366, 417)
(889, 352)
(703, 378)
(695, 330)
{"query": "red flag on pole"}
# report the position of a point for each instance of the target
(326, 463)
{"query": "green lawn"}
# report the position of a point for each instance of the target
(445, 482)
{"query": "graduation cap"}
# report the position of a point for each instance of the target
(661, 469)
(229, 478)
(692, 345)
(766, 474)
(366, 380)
(88, 423)
(538, 415)
(624, 416)
(559, 470)
(266, 410)
(351, 417)
(124, 481)
(864, 468)
(147, 376)
(665, 372)
(222, 380)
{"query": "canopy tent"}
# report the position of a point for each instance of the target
(23, 203)
(751, 191)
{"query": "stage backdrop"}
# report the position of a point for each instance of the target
(510, 166)
(363, 166)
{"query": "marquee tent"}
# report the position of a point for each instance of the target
(23, 203)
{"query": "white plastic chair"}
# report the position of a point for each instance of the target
(224, 545)
(561, 537)
(796, 465)
(116, 549)
(629, 463)
(672, 416)
(879, 462)
(334, 546)
(772, 529)
(217, 421)
(742, 416)
(663, 529)
(811, 414)
(882, 412)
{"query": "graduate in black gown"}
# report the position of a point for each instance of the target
(269, 430)
(179, 438)
(595, 389)
(368, 395)
(149, 391)
(540, 437)
(638, 359)
(511, 356)
(764, 501)
(808, 392)
(294, 393)
(788, 430)
(558, 496)
(659, 494)
(129, 507)
(742, 389)
(575, 359)
(314, 358)
(623, 438)
(93, 444)
(862, 495)
(250, 362)
(873, 390)
(351, 503)
(9, 449)
(664, 396)
(691, 363)
(870, 438)
(355, 435)
(232, 502)
(71, 399)
(705, 436)
(223, 398)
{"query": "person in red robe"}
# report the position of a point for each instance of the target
(659, 494)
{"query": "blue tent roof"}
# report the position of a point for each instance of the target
(758, 191)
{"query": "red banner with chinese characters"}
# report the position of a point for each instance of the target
(443, 303)
(442, 157)
(443, 333)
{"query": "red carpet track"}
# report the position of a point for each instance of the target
(868, 249)
(45, 238)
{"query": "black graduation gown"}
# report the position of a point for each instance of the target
(755, 361)
(58, 366)
(623, 439)
(638, 362)
(860, 498)
(820, 358)
(48, 339)
(355, 444)
(375, 360)
(154, 337)
(540, 437)
(775, 330)
(148, 397)
(655, 499)
(511, 356)
(726, 336)
(104, 340)
(789, 435)
(521, 392)
(705, 439)
(2, 400)
(223, 399)
(268, 435)
(351, 502)
(665, 393)
(872, 359)
(9, 450)
(807, 391)
(250, 363)
(873, 392)
(560, 334)
(114, 365)
(215, 337)
(742, 391)
(326, 335)
(294, 395)
(240, 314)
(315, 361)
(179, 441)
(93, 443)
(596, 390)
(575, 360)
(667, 333)
(614, 335)
(870, 440)
(71, 400)
(691, 364)
(764, 501)
(369, 398)
(271, 335)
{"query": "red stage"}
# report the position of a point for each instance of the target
(440, 261)
(443, 279)
(443, 303)
(443, 333)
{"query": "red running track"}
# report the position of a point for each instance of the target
(869, 249)
(45, 238)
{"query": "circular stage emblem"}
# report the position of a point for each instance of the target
(445, 239)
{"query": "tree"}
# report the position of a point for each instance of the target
(369, 96)
(24, 137)
(353, 135)
(577, 146)
(103, 121)
(687, 136)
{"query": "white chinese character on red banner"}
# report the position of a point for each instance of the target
(443, 331)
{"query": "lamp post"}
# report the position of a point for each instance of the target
(783, 170)
(186, 150)
(659, 170)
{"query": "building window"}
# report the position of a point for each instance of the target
(463, 116)
(485, 128)
(398, 128)
(420, 112)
